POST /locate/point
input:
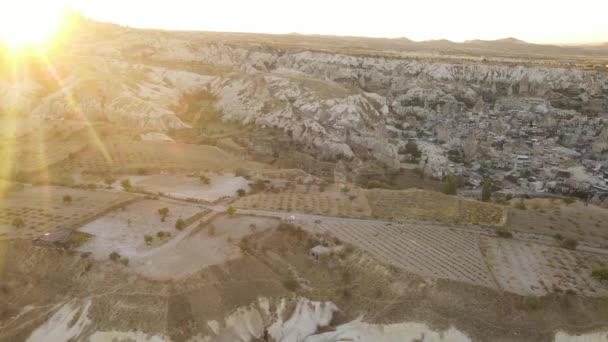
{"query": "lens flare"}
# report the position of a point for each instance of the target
(29, 23)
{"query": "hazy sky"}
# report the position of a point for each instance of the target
(540, 21)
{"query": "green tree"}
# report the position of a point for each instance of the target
(412, 148)
(18, 223)
(450, 185)
(109, 180)
(503, 233)
(486, 190)
(600, 274)
(126, 184)
(180, 224)
(569, 244)
(114, 256)
(163, 212)
(569, 200)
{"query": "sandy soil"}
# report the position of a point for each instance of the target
(200, 249)
(191, 187)
(123, 231)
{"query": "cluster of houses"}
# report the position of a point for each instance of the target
(525, 146)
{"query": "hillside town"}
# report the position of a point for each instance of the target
(524, 145)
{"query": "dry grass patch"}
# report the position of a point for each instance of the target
(331, 203)
(421, 205)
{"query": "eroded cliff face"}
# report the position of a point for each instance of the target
(328, 101)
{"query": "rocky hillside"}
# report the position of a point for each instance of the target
(333, 101)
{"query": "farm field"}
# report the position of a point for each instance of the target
(184, 187)
(433, 251)
(212, 243)
(330, 203)
(42, 209)
(520, 267)
(537, 269)
(123, 231)
(427, 206)
(124, 154)
(43, 149)
(551, 217)
(11, 128)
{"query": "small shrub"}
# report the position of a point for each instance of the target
(450, 185)
(109, 180)
(558, 237)
(486, 190)
(521, 205)
(568, 200)
(126, 184)
(241, 192)
(291, 284)
(67, 199)
(509, 197)
(569, 244)
(504, 233)
(114, 256)
(345, 189)
(160, 234)
(600, 274)
(148, 239)
(231, 210)
(18, 223)
(163, 212)
(124, 261)
(531, 303)
(346, 293)
(180, 224)
(211, 230)
(204, 179)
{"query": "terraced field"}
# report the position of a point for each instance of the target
(516, 266)
(329, 203)
(39, 152)
(431, 206)
(42, 209)
(127, 154)
(530, 268)
(433, 251)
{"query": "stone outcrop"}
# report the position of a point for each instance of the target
(316, 96)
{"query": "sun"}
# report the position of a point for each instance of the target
(28, 23)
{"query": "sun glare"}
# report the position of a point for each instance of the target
(29, 23)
